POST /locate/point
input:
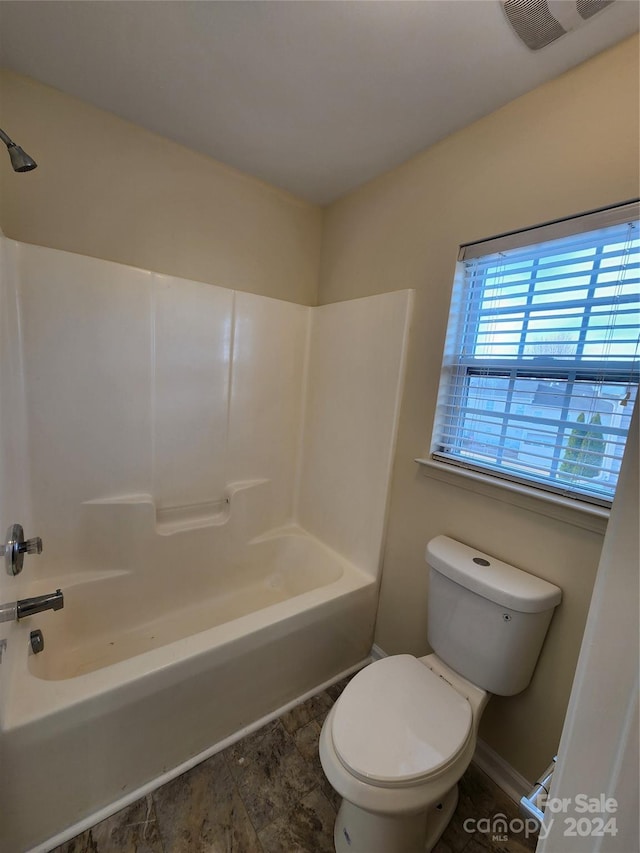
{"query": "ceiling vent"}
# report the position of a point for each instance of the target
(539, 22)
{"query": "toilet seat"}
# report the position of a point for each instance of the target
(397, 723)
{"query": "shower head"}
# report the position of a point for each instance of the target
(20, 160)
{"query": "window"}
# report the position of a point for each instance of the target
(540, 370)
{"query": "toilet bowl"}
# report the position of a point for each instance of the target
(404, 730)
(394, 746)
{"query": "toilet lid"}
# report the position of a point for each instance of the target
(398, 721)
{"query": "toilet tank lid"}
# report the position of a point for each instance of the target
(491, 578)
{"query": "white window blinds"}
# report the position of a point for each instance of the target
(541, 365)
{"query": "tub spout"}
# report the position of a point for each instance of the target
(28, 606)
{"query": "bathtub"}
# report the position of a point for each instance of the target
(134, 687)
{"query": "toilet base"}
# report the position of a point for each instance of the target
(360, 831)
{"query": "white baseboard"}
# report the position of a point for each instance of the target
(503, 774)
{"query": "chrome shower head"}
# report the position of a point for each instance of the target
(20, 160)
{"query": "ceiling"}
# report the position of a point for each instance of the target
(314, 97)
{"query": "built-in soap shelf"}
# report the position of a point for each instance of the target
(170, 520)
(175, 519)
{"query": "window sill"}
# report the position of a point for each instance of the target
(587, 516)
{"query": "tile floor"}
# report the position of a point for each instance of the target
(267, 794)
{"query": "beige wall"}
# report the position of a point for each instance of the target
(568, 146)
(109, 189)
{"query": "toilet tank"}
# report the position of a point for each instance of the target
(487, 619)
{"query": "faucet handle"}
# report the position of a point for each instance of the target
(16, 547)
(31, 546)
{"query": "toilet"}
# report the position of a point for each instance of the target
(404, 730)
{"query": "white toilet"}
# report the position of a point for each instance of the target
(404, 729)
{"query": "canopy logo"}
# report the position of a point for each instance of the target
(500, 827)
(584, 817)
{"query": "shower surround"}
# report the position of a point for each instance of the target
(209, 472)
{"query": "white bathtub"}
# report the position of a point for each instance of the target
(136, 684)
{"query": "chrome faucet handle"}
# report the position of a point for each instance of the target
(31, 546)
(17, 546)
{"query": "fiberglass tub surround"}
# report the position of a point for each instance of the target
(208, 470)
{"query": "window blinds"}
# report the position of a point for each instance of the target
(541, 364)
